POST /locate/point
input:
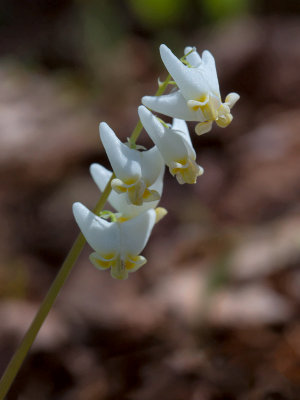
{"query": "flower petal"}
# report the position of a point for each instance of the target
(160, 212)
(102, 262)
(158, 184)
(231, 99)
(102, 236)
(194, 58)
(173, 105)
(152, 125)
(211, 72)
(118, 270)
(191, 81)
(181, 126)
(119, 202)
(186, 173)
(135, 233)
(101, 176)
(151, 165)
(203, 127)
(171, 144)
(124, 161)
(133, 263)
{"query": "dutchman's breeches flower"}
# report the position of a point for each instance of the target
(135, 185)
(135, 170)
(119, 202)
(117, 245)
(174, 145)
(198, 97)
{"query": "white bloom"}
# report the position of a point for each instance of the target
(119, 202)
(198, 97)
(135, 171)
(117, 245)
(174, 145)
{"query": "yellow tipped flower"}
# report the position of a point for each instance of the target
(135, 171)
(119, 202)
(198, 97)
(174, 145)
(117, 245)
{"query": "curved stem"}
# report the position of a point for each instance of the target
(19, 356)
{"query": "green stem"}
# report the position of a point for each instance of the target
(19, 356)
(138, 129)
(163, 86)
(136, 132)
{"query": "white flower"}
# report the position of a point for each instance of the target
(174, 145)
(198, 97)
(135, 171)
(119, 202)
(117, 245)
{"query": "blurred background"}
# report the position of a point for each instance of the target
(214, 314)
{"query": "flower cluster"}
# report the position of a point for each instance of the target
(137, 177)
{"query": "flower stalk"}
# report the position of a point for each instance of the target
(19, 356)
(75, 251)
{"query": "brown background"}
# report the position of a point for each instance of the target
(214, 314)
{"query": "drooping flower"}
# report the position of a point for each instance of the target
(117, 245)
(135, 170)
(125, 211)
(198, 97)
(174, 144)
